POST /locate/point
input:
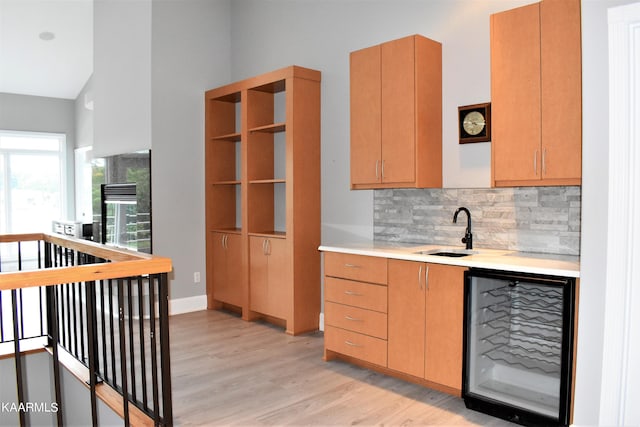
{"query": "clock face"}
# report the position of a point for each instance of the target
(473, 123)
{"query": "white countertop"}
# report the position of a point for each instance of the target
(495, 259)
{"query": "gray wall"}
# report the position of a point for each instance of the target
(191, 50)
(121, 83)
(42, 114)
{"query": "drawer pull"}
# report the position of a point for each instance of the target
(353, 319)
(352, 266)
(353, 293)
(352, 344)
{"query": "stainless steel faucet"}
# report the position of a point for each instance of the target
(468, 237)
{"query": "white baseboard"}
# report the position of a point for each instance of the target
(187, 305)
(321, 322)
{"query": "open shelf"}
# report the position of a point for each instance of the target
(271, 128)
(231, 137)
(270, 234)
(268, 181)
(232, 230)
(235, 182)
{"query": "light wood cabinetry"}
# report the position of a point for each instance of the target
(356, 307)
(262, 172)
(269, 273)
(425, 321)
(396, 114)
(536, 95)
(226, 268)
(403, 318)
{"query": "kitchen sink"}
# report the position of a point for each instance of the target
(451, 254)
(447, 253)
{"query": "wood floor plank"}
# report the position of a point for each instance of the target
(226, 371)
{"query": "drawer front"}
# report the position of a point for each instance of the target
(356, 319)
(357, 294)
(356, 267)
(373, 350)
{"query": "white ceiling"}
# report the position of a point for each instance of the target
(58, 68)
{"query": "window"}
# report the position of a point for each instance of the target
(31, 181)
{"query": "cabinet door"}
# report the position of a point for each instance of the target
(365, 116)
(270, 277)
(279, 280)
(406, 330)
(515, 94)
(561, 68)
(258, 275)
(227, 268)
(398, 111)
(444, 317)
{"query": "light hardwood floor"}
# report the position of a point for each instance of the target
(226, 371)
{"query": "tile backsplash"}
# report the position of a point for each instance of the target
(531, 219)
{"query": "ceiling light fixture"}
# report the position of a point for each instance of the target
(47, 35)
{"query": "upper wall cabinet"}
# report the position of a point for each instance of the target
(536, 95)
(396, 114)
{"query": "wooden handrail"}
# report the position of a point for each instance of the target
(124, 263)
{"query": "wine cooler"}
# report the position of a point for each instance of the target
(518, 346)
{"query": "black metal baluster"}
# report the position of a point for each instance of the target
(132, 356)
(53, 343)
(154, 356)
(163, 297)
(123, 353)
(103, 338)
(112, 334)
(93, 349)
(143, 368)
(18, 357)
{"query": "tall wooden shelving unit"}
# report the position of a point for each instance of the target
(262, 172)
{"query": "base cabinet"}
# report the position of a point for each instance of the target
(269, 275)
(227, 268)
(403, 317)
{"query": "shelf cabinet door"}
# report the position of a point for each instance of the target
(269, 277)
(227, 268)
(515, 94)
(444, 317)
(406, 317)
(365, 98)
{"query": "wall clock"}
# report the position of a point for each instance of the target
(474, 123)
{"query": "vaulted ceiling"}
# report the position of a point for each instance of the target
(46, 47)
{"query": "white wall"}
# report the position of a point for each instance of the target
(121, 77)
(595, 149)
(190, 53)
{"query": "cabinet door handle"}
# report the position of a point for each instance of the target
(353, 319)
(352, 344)
(426, 277)
(264, 247)
(382, 170)
(268, 245)
(352, 266)
(352, 293)
(544, 161)
(420, 277)
(377, 163)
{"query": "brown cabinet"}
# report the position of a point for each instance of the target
(425, 321)
(227, 268)
(355, 307)
(396, 114)
(269, 273)
(536, 95)
(262, 172)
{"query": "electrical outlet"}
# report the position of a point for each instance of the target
(196, 277)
